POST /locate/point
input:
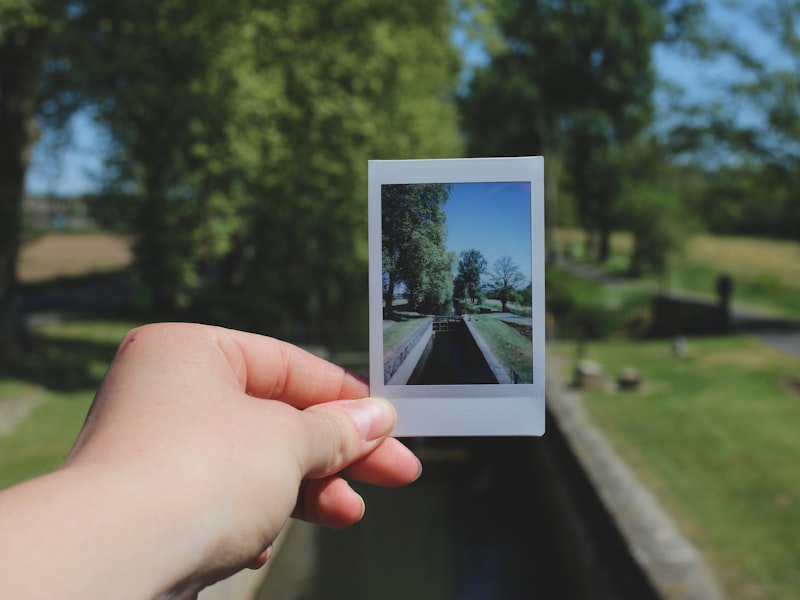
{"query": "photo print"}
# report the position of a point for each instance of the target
(456, 294)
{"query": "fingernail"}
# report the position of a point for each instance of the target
(374, 417)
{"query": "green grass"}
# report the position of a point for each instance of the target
(715, 436)
(508, 345)
(398, 331)
(64, 368)
(765, 272)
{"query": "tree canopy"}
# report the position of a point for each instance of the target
(413, 246)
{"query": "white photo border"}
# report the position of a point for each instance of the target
(461, 410)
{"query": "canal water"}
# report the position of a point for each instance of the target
(452, 357)
(471, 528)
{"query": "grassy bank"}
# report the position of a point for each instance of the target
(715, 436)
(59, 377)
(509, 346)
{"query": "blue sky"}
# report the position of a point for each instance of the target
(493, 218)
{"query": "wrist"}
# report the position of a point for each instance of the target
(94, 533)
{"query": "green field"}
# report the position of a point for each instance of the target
(714, 435)
(61, 374)
(766, 273)
(509, 346)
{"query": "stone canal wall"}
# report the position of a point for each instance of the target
(398, 366)
(495, 365)
(619, 542)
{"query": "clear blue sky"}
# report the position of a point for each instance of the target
(493, 218)
(70, 170)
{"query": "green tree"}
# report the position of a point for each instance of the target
(330, 86)
(159, 76)
(471, 265)
(574, 82)
(506, 281)
(413, 245)
(26, 39)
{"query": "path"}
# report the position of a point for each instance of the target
(783, 334)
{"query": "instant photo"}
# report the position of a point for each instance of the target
(457, 294)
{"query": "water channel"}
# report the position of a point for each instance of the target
(472, 528)
(452, 357)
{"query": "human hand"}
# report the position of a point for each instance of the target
(202, 442)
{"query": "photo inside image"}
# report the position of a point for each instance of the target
(456, 268)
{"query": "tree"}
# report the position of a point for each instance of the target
(506, 281)
(26, 28)
(471, 265)
(573, 82)
(329, 86)
(413, 245)
(159, 76)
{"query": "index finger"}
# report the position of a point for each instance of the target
(272, 369)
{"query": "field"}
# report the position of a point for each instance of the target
(766, 273)
(66, 255)
(714, 434)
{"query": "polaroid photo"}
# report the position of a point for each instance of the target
(456, 294)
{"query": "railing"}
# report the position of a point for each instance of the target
(444, 323)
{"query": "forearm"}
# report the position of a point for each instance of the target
(77, 533)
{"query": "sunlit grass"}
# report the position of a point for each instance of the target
(508, 345)
(396, 332)
(765, 272)
(715, 436)
(62, 370)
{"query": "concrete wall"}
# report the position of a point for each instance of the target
(399, 365)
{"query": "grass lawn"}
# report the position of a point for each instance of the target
(63, 371)
(715, 436)
(396, 331)
(766, 273)
(508, 345)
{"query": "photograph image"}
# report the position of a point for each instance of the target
(456, 270)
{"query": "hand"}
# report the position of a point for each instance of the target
(199, 446)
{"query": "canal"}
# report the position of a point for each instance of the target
(474, 527)
(452, 357)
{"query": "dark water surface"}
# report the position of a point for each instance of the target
(471, 528)
(452, 357)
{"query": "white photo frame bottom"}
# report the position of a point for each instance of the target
(456, 294)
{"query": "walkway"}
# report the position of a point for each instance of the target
(783, 334)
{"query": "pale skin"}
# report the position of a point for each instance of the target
(200, 445)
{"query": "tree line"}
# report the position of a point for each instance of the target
(240, 133)
(417, 266)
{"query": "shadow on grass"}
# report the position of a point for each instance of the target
(60, 363)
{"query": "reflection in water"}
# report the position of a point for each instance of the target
(470, 528)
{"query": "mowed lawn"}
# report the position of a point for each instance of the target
(508, 345)
(59, 377)
(765, 272)
(715, 436)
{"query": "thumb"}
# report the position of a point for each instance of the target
(344, 431)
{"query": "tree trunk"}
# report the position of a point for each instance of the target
(21, 55)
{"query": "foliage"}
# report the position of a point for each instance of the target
(467, 284)
(26, 32)
(506, 280)
(413, 246)
(573, 82)
(584, 309)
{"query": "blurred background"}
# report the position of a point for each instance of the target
(207, 161)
